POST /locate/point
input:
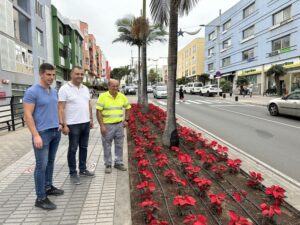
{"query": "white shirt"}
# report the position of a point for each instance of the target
(77, 103)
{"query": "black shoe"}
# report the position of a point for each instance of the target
(75, 179)
(45, 204)
(120, 167)
(86, 173)
(54, 191)
(108, 169)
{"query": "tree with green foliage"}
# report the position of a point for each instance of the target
(153, 76)
(118, 73)
(166, 12)
(225, 85)
(204, 77)
(277, 71)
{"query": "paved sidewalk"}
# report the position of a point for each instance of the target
(102, 200)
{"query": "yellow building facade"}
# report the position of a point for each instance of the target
(190, 60)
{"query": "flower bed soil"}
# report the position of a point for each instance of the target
(196, 182)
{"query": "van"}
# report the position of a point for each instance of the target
(193, 87)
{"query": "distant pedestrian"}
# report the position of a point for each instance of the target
(75, 113)
(41, 116)
(110, 116)
(181, 94)
(250, 90)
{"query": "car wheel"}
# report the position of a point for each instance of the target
(200, 93)
(208, 94)
(273, 109)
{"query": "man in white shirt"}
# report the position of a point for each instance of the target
(76, 118)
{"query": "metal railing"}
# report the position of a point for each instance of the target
(11, 112)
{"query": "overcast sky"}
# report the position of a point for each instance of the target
(101, 16)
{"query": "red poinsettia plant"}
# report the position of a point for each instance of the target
(219, 170)
(234, 165)
(276, 193)
(150, 207)
(237, 220)
(146, 173)
(195, 220)
(216, 202)
(239, 195)
(269, 211)
(185, 159)
(143, 164)
(158, 222)
(147, 186)
(184, 202)
(161, 160)
(208, 160)
(222, 153)
(203, 185)
(255, 180)
(172, 178)
(201, 153)
(192, 171)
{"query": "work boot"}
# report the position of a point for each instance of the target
(108, 169)
(75, 179)
(120, 167)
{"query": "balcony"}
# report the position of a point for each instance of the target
(62, 61)
(61, 38)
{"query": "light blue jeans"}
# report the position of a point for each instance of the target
(115, 132)
(45, 158)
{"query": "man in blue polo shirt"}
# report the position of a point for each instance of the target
(41, 115)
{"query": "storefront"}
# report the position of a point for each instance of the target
(254, 77)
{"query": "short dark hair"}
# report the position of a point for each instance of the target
(76, 67)
(45, 66)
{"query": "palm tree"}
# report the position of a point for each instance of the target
(136, 31)
(204, 77)
(278, 71)
(165, 12)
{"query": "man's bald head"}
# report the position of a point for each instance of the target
(113, 82)
(113, 87)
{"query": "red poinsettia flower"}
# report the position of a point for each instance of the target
(255, 179)
(212, 144)
(139, 155)
(139, 150)
(175, 149)
(170, 173)
(195, 220)
(161, 160)
(270, 211)
(192, 169)
(200, 152)
(275, 191)
(185, 200)
(179, 181)
(147, 174)
(237, 220)
(149, 203)
(185, 159)
(217, 198)
(157, 149)
(143, 163)
(238, 195)
(147, 185)
(234, 165)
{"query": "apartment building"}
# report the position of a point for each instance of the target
(67, 46)
(250, 37)
(190, 60)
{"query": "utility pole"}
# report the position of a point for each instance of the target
(219, 51)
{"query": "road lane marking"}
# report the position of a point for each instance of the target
(256, 117)
(204, 101)
(230, 105)
(198, 103)
(186, 103)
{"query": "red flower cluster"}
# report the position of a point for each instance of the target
(216, 202)
(255, 179)
(237, 220)
(195, 220)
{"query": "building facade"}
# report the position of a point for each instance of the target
(190, 60)
(67, 46)
(252, 36)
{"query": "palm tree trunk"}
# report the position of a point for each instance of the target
(170, 135)
(139, 77)
(145, 107)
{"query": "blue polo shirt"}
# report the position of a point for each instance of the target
(45, 112)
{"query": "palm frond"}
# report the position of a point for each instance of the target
(160, 11)
(185, 6)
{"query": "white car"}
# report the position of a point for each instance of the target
(288, 105)
(193, 88)
(160, 92)
(210, 90)
(149, 89)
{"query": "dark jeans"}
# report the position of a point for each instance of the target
(78, 136)
(45, 158)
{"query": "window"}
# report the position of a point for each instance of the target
(193, 70)
(280, 43)
(248, 54)
(39, 9)
(226, 25)
(282, 15)
(249, 10)
(210, 66)
(193, 60)
(39, 37)
(212, 36)
(226, 61)
(194, 48)
(226, 43)
(248, 32)
(211, 51)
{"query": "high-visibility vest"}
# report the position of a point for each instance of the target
(112, 108)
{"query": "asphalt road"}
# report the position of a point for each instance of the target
(273, 140)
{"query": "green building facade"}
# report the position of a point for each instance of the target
(67, 46)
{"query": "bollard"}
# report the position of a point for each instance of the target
(236, 98)
(224, 95)
(230, 94)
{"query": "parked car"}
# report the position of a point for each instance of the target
(210, 90)
(178, 87)
(193, 88)
(129, 90)
(160, 92)
(288, 105)
(149, 89)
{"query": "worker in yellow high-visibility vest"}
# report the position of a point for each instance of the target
(110, 115)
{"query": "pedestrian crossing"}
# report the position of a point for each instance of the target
(210, 102)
